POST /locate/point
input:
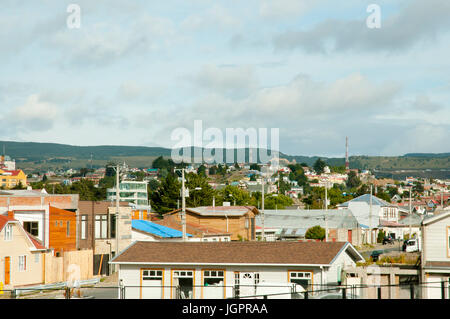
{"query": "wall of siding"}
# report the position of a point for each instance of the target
(436, 241)
(19, 246)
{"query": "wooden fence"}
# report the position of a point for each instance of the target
(72, 265)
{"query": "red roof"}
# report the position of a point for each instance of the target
(35, 241)
(4, 220)
(13, 173)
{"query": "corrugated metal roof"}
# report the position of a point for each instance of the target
(304, 219)
(155, 229)
(366, 198)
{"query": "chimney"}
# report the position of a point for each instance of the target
(11, 214)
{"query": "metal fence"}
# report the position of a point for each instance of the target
(441, 290)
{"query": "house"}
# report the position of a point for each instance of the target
(144, 230)
(199, 232)
(12, 178)
(239, 221)
(130, 191)
(204, 270)
(372, 212)
(435, 262)
(54, 227)
(292, 224)
(21, 255)
(15, 199)
(97, 231)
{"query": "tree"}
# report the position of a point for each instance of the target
(255, 167)
(384, 196)
(213, 170)
(44, 178)
(418, 187)
(319, 166)
(164, 199)
(201, 170)
(315, 232)
(200, 192)
(353, 180)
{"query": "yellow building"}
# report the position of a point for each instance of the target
(10, 179)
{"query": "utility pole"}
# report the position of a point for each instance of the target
(183, 205)
(410, 211)
(326, 211)
(262, 207)
(117, 207)
(370, 216)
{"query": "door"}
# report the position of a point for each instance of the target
(7, 270)
(152, 284)
(247, 284)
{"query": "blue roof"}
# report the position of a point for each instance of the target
(155, 229)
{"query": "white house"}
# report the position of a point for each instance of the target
(372, 212)
(219, 270)
(436, 255)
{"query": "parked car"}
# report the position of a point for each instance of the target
(375, 255)
(388, 240)
(412, 245)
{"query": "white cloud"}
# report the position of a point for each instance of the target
(281, 9)
(215, 17)
(34, 115)
(234, 81)
(418, 22)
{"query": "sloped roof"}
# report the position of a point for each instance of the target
(284, 252)
(304, 219)
(219, 210)
(5, 219)
(194, 228)
(156, 229)
(366, 198)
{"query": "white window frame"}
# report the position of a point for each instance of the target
(23, 263)
(101, 232)
(8, 232)
(305, 275)
(83, 226)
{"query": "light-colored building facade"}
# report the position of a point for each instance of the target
(436, 256)
(130, 191)
(205, 270)
(21, 255)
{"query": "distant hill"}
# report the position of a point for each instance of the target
(42, 156)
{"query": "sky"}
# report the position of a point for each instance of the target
(135, 71)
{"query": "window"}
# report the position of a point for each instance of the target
(448, 241)
(100, 226)
(236, 283)
(60, 223)
(83, 226)
(302, 278)
(32, 228)
(152, 275)
(8, 232)
(22, 263)
(36, 258)
(212, 277)
(68, 228)
(183, 274)
(112, 225)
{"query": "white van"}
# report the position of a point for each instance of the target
(412, 245)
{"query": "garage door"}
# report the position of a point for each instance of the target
(152, 283)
